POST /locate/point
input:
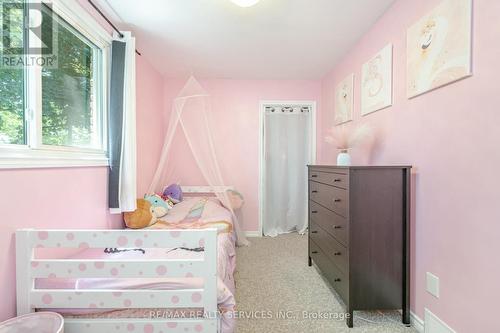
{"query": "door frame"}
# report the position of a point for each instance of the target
(262, 176)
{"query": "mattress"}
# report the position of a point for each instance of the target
(181, 216)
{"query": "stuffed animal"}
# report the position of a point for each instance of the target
(173, 192)
(148, 211)
(142, 217)
(159, 207)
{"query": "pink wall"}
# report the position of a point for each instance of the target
(73, 197)
(451, 138)
(235, 106)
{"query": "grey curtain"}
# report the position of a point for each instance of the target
(115, 127)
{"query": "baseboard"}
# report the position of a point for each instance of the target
(435, 325)
(253, 234)
(416, 322)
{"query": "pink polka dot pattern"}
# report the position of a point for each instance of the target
(189, 275)
(148, 328)
(175, 299)
(198, 328)
(82, 267)
(114, 271)
(122, 241)
(138, 242)
(127, 303)
(47, 299)
(83, 245)
(130, 327)
(99, 265)
(175, 233)
(196, 297)
(161, 270)
(70, 236)
(43, 235)
(171, 325)
(202, 242)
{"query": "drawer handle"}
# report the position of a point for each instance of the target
(314, 232)
(314, 211)
(337, 280)
(314, 191)
(314, 176)
(336, 180)
(314, 252)
(336, 200)
(337, 253)
(337, 227)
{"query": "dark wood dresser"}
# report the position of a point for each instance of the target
(359, 234)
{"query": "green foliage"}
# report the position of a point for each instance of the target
(66, 92)
(12, 87)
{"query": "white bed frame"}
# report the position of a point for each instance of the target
(206, 189)
(28, 269)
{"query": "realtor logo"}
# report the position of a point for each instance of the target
(28, 34)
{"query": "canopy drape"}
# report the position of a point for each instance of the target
(190, 112)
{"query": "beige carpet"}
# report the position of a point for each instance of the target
(273, 279)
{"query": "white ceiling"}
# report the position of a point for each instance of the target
(275, 39)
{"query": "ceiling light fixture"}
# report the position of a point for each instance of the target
(245, 3)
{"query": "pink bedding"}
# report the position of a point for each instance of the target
(211, 213)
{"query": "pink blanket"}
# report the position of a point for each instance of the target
(226, 263)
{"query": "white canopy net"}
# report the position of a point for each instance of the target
(191, 112)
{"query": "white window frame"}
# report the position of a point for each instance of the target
(34, 154)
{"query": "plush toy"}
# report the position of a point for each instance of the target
(148, 211)
(159, 207)
(173, 192)
(142, 217)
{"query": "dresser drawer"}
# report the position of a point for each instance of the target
(335, 251)
(337, 279)
(333, 198)
(334, 179)
(333, 223)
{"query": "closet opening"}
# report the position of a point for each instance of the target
(287, 145)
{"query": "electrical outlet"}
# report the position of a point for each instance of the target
(432, 284)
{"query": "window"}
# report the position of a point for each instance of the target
(12, 125)
(53, 101)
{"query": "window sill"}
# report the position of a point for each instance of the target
(32, 159)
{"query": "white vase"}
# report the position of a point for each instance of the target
(343, 158)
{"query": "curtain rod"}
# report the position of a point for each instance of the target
(109, 22)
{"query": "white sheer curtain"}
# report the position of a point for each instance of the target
(287, 153)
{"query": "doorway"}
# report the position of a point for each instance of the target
(287, 146)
